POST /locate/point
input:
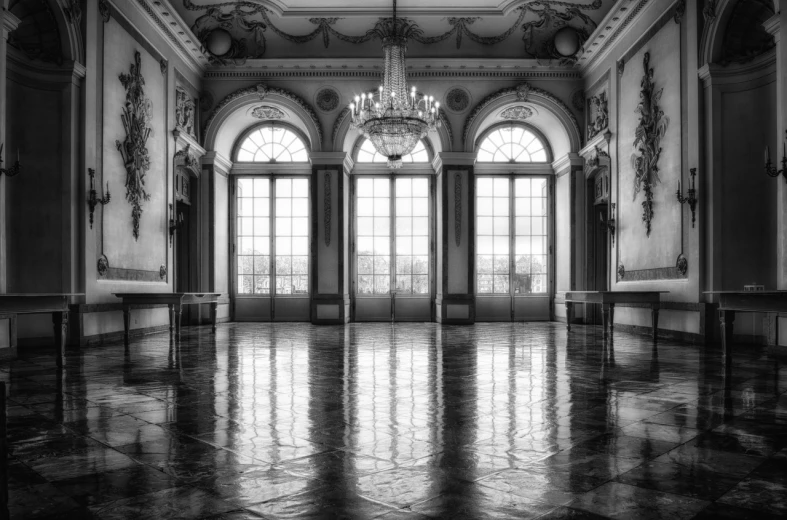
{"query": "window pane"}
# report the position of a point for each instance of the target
(511, 143)
(270, 142)
(531, 236)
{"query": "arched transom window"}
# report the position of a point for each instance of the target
(273, 144)
(368, 154)
(512, 144)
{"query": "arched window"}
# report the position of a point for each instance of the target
(368, 154)
(512, 144)
(273, 144)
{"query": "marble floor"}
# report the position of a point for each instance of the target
(405, 421)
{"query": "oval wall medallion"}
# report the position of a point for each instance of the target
(578, 100)
(517, 113)
(327, 99)
(457, 100)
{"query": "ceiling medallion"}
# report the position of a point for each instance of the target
(394, 122)
(327, 99)
(457, 100)
(267, 112)
(517, 113)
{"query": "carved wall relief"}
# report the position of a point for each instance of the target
(185, 110)
(517, 113)
(136, 121)
(650, 130)
(598, 114)
(266, 112)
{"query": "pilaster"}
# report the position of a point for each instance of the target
(9, 24)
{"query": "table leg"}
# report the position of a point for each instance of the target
(4, 513)
(171, 321)
(654, 316)
(726, 320)
(214, 310)
(60, 324)
(178, 312)
(611, 318)
(126, 324)
(606, 310)
(569, 314)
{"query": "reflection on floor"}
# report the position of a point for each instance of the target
(405, 421)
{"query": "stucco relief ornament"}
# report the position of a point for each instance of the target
(102, 265)
(457, 100)
(599, 107)
(621, 272)
(522, 91)
(327, 100)
(647, 142)
(266, 112)
(184, 111)
(517, 113)
(136, 118)
(682, 265)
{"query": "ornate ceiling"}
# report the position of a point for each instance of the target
(233, 32)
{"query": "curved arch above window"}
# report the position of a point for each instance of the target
(272, 144)
(512, 144)
(368, 154)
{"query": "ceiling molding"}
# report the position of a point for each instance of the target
(617, 20)
(282, 9)
(174, 29)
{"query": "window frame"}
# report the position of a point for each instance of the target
(540, 173)
(271, 177)
(250, 130)
(535, 131)
(391, 178)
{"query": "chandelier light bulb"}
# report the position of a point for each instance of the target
(363, 95)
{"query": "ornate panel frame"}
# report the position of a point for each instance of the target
(601, 86)
(679, 271)
(104, 268)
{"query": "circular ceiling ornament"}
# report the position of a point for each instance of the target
(327, 99)
(457, 100)
(567, 41)
(219, 42)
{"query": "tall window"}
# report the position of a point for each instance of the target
(283, 238)
(273, 144)
(511, 225)
(392, 239)
(368, 154)
(512, 144)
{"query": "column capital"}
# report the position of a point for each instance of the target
(453, 159)
(10, 22)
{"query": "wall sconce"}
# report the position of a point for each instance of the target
(692, 198)
(771, 170)
(13, 170)
(93, 200)
(174, 225)
(609, 223)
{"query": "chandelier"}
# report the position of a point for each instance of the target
(393, 119)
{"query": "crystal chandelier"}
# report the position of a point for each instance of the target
(393, 119)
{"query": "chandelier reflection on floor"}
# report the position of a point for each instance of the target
(393, 119)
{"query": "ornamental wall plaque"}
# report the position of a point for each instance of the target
(185, 108)
(647, 141)
(267, 112)
(327, 99)
(457, 100)
(162, 271)
(136, 120)
(518, 113)
(102, 265)
(598, 114)
(682, 265)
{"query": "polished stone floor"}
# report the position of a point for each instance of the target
(406, 421)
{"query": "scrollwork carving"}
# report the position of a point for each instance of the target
(136, 120)
(326, 201)
(458, 209)
(598, 112)
(185, 109)
(517, 113)
(650, 130)
(266, 112)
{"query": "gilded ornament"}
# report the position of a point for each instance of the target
(136, 120)
(647, 141)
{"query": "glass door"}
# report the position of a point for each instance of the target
(512, 248)
(271, 248)
(393, 263)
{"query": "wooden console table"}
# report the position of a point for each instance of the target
(731, 302)
(175, 302)
(38, 303)
(608, 299)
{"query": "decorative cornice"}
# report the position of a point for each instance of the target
(216, 160)
(191, 57)
(609, 39)
(262, 91)
(516, 92)
(567, 161)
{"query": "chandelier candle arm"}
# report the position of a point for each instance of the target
(393, 120)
